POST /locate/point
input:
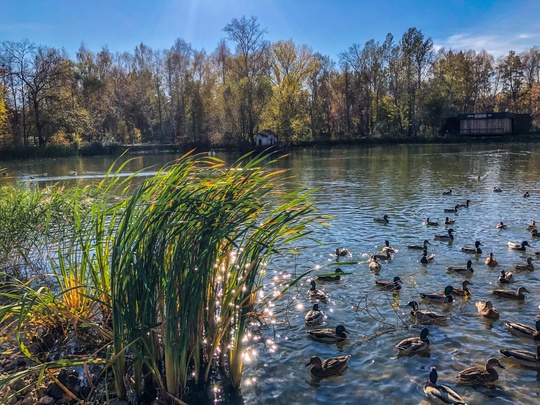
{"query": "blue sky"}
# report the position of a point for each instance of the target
(329, 27)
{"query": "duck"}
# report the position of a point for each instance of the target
(525, 267)
(526, 194)
(426, 317)
(415, 344)
(430, 223)
(316, 294)
(374, 265)
(389, 285)
(453, 210)
(447, 192)
(384, 219)
(446, 236)
(464, 290)
(487, 310)
(440, 394)
(518, 246)
(535, 233)
(531, 226)
(439, 298)
(480, 375)
(328, 335)
(518, 295)
(524, 330)
(449, 221)
(523, 357)
(419, 247)
(476, 249)
(329, 367)
(425, 259)
(314, 316)
(341, 252)
(389, 248)
(490, 260)
(330, 277)
(501, 225)
(464, 205)
(461, 269)
(497, 189)
(383, 256)
(506, 277)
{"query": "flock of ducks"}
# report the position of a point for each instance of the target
(483, 375)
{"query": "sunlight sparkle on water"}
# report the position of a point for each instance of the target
(299, 306)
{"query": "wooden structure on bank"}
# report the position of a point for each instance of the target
(489, 124)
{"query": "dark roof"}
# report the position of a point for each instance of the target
(486, 115)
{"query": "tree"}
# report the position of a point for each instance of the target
(511, 70)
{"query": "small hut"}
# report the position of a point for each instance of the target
(265, 138)
(500, 123)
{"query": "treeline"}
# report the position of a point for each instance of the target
(398, 87)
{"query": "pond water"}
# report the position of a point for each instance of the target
(406, 183)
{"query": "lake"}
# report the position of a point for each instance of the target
(405, 182)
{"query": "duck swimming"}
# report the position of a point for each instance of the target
(313, 293)
(447, 192)
(490, 260)
(518, 295)
(374, 265)
(518, 246)
(523, 357)
(426, 317)
(524, 330)
(384, 219)
(464, 290)
(526, 194)
(476, 249)
(383, 256)
(445, 236)
(427, 222)
(531, 226)
(388, 248)
(341, 252)
(440, 394)
(453, 210)
(449, 221)
(525, 267)
(461, 269)
(335, 277)
(329, 335)
(501, 225)
(506, 277)
(464, 205)
(439, 298)
(425, 259)
(480, 375)
(535, 233)
(389, 285)
(497, 189)
(314, 316)
(420, 247)
(329, 367)
(487, 310)
(415, 344)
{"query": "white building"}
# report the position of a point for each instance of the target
(265, 138)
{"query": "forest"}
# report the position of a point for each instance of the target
(398, 87)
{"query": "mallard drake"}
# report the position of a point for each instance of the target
(329, 335)
(384, 219)
(490, 260)
(422, 247)
(487, 310)
(314, 316)
(440, 394)
(501, 225)
(523, 357)
(453, 210)
(390, 285)
(518, 246)
(464, 205)
(426, 317)
(464, 290)
(476, 249)
(335, 277)
(449, 221)
(531, 226)
(430, 223)
(388, 248)
(383, 256)
(374, 265)
(415, 344)
(425, 259)
(524, 330)
(447, 192)
(535, 233)
(511, 295)
(506, 277)
(526, 194)
(445, 236)
(525, 267)
(313, 293)
(341, 252)
(480, 375)
(497, 189)
(461, 269)
(439, 298)
(329, 367)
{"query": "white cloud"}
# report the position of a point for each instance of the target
(495, 44)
